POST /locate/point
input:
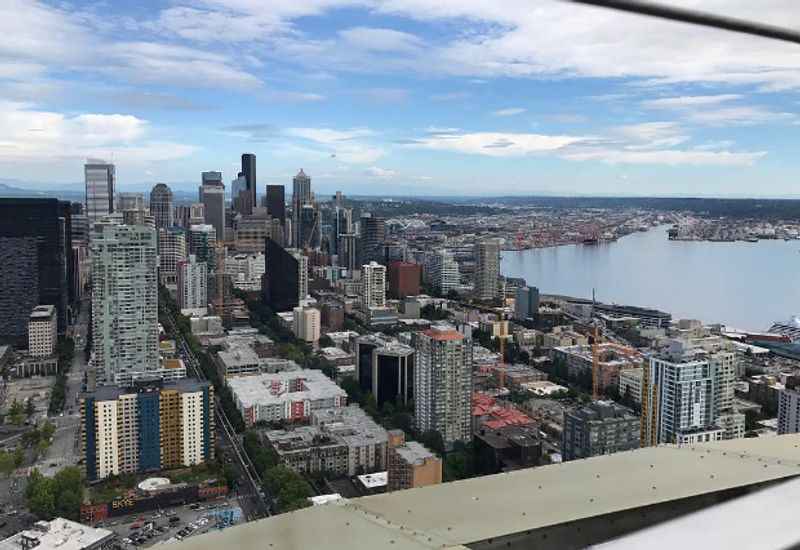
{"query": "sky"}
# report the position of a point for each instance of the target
(400, 97)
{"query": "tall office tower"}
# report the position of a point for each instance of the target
(212, 195)
(442, 271)
(276, 202)
(189, 215)
(404, 279)
(202, 242)
(129, 201)
(443, 383)
(309, 232)
(192, 281)
(100, 180)
(43, 331)
(342, 225)
(171, 250)
(526, 304)
(161, 205)
(286, 279)
(306, 324)
(373, 279)
(241, 196)
(301, 195)
(487, 269)
(35, 254)
(347, 251)
(124, 301)
(146, 427)
(599, 428)
(249, 173)
(372, 238)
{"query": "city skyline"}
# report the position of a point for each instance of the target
(402, 97)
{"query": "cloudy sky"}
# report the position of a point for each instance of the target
(425, 97)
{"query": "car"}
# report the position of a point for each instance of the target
(126, 540)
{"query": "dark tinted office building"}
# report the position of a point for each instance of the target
(281, 283)
(373, 235)
(35, 263)
(276, 202)
(249, 173)
(365, 345)
(393, 373)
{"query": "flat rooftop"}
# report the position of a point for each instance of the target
(273, 388)
(414, 452)
(58, 534)
(44, 312)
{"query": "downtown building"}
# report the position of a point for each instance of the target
(37, 264)
(146, 428)
(306, 322)
(442, 272)
(403, 279)
(212, 195)
(172, 249)
(99, 179)
(443, 383)
(487, 269)
(688, 393)
(372, 231)
(301, 196)
(285, 283)
(373, 293)
(43, 331)
(192, 286)
(526, 303)
(161, 206)
(599, 428)
(124, 302)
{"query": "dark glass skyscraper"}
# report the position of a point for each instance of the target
(249, 173)
(286, 278)
(161, 206)
(34, 263)
(373, 236)
(276, 202)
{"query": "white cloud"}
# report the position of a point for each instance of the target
(667, 157)
(378, 172)
(684, 102)
(652, 135)
(451, 96)
(511, 111)
(740, 116)
(32, 135)
(381, 40)
(495, 144)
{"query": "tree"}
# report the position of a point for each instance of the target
(433, 440)
(6, 463)
(16, 413)
(19, 456)
(325, 341)
(30, 408)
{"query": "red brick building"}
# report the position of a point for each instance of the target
(404, 279)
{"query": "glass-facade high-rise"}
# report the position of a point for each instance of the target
(35, 256)
(100, 179)
(212, 195)
(161, 206)
(249, 173)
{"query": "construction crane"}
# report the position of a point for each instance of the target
(502, 365)
(596, 364)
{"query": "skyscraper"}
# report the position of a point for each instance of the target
(301, 195)
(286, 278)
(171, 250)
(403, 279)
(276, 202)
(129, 202)
(526, 303)
(202, 242)
(443, 383)
(35, 254)
(373, 277)
(212, 195)
(124, 301)
(100, 179)
(441, 271)
(161, 205)
(192, 284)
(487, 269)
(373, 236)
(249, 173)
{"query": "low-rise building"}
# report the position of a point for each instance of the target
(508, 448)
(612, 359)
(411, 464)
(341, 441)
(599, 428)
(630, 384)
(59, 534)
(563, 336)
(284, 396)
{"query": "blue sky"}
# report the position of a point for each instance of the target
(423, 97)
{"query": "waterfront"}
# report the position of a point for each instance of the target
(742, 284)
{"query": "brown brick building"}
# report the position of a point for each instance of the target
(404, 279)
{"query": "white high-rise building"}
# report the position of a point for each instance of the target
(172, 249)
(789, 409)
(43, 331)
(99, 179)
(443, 383)
(192, 285)
(124, 301)
(442, 271)
(487, 269)
(687, 394)
(246, 270)
(306, 324)
(373, 294)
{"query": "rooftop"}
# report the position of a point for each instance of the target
(60, 534)
(111, 393)
(373, 481)
(43, 312)
(414, 452)
(272, 389)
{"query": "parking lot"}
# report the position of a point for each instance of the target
(147, 529)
